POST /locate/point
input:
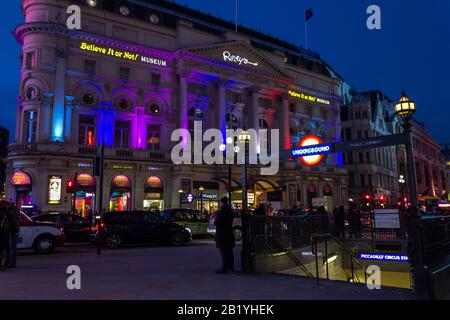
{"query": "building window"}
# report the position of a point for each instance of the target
(351, 179)
(124, 73)
(153, 109)
(195, 114)
(153, 137)
(368, 157)
(86, 131)
(349, 157)
(90, 66)
(233, 97)
(363, 180)
(88, 99)
(361, 157)
(265, 103)
(348, 134)
(29, 60)
(370, 180)
(359, 134)
(197, 89)
(156, 79)
(292, 107)
(31, 121)
(122, 134)
(232, 122)
(123, 104)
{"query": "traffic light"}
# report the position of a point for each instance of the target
(70, 186)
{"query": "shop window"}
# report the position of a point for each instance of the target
(122, 134)
(31, 122)
(86, 131)
(156, 79)
(90, 67)
(153, 137)
(124, 73)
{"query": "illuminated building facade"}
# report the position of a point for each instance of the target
(429, 165)
(373, 173)
(136, 71)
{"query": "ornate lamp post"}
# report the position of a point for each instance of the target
(405, 109)
(200, 190)
(180, 192)
(246, 265)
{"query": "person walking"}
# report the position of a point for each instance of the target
(224, 235)
(9, 227)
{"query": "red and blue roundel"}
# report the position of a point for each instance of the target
(317, 153)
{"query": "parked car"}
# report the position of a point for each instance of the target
(237, 225)
(42, 237)
(76, 228)
(139, 227)
(189, 218)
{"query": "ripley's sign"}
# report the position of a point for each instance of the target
(121, 54)
(227, 56)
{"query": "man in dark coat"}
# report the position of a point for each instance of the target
(340, 222)
(225, 236)
(9, 226)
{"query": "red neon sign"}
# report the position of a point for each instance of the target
(311, 140)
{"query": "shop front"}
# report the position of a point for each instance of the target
(23, 188)
(120, 193)
(84, 200)
(207, 196)
(311, 194)
(153, 194)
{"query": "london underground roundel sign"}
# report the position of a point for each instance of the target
(310, 141)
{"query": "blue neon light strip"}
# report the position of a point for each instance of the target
(311, 150)
(383, 257)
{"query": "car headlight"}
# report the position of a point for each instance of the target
(188, 230)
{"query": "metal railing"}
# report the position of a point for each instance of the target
(434, 238)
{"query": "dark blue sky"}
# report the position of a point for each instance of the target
(411, 52)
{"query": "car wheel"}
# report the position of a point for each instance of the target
(113, 240)
(237, 231)
(177, 239)
(44, 245)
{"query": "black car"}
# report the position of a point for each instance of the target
(76, 228)
(139, 227)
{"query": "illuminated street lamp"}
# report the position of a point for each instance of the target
(402, 183)
(405, 110)
(180, 192)
(201, 189)
(246, 265)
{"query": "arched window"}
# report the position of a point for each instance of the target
(195, 114)
(232, 121)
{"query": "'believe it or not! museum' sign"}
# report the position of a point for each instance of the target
(121, 54)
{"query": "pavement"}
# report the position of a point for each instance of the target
(165, 273)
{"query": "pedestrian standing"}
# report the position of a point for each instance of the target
(9, 227)
(224, 235)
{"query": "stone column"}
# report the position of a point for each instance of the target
(221, 106)
(285, 139)
(253, 111)
(69, 109)
(183, 107)
(59, 101)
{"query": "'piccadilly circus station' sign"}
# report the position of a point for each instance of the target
(121, 54)
(311, 150)
(383, 257)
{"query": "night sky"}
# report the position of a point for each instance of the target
(411, 52)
